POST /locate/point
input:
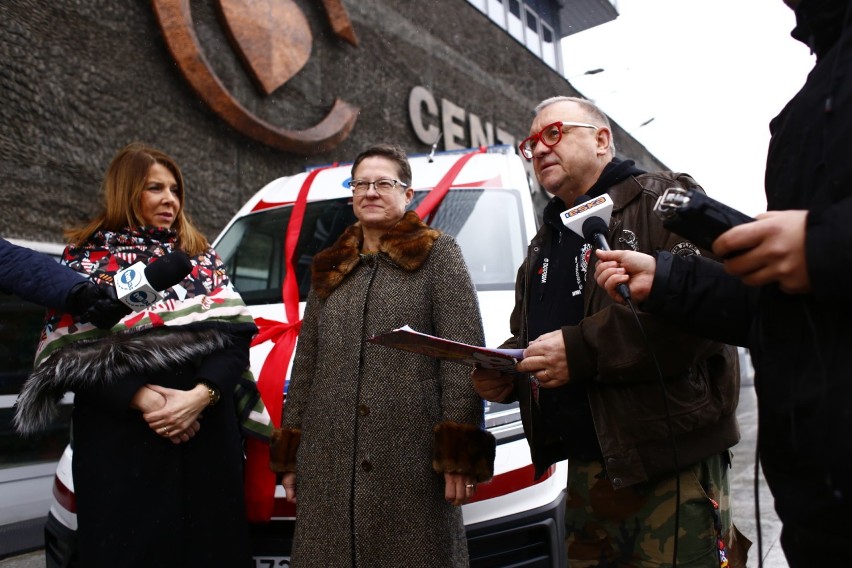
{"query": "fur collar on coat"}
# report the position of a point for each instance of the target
(407, 245)
(87, 363)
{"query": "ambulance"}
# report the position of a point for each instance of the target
(481, 197)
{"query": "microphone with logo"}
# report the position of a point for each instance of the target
(138, 287)
(589, 218)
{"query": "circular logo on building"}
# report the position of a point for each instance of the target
(274, 41)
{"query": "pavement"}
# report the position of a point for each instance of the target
(29, 560)
(742, 493)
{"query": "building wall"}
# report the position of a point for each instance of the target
(79, 79)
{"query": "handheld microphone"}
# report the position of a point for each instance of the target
(136, 288)
(586, 207)
(589, 218)
(139, 286)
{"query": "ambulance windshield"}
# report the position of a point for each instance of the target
(487, 224)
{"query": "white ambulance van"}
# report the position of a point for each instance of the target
(514, 520)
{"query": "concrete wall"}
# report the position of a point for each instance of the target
(79, 79)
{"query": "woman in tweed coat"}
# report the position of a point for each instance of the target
(382, 446)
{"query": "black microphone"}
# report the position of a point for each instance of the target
(138, 287)
(589, 218)
(594, 231)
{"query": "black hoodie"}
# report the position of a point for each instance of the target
(559, 302)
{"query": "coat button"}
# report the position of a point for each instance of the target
(363, 410)
(617, 482)
(367, 466)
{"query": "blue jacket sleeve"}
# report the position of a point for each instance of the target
(35, 277)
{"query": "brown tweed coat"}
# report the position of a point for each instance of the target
(370, 429)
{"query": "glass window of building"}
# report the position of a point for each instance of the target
(532, 38)
(529, 26)
(497, 12)
(515, 25)
(548, 46)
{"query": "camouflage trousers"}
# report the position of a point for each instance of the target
(634, 526)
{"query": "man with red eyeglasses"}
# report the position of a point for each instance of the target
(646, 462)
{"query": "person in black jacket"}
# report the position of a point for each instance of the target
(783, 293)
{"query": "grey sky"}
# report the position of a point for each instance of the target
(710, 73)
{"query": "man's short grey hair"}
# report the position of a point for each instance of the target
(596, 115)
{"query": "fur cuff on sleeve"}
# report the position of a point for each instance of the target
(282, 450)
(464, 448)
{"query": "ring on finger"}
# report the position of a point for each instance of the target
(469, 486)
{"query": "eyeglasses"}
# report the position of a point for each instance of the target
(382, 186)
(550, 136)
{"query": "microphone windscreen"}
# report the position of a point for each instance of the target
(593, 225)
(168, 270)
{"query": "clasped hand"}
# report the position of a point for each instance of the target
(172, 413)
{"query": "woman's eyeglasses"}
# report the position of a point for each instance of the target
(382, 186)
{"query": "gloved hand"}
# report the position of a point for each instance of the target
(97, 304)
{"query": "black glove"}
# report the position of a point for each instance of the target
(97, 304)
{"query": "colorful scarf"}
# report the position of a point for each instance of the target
(193, 315)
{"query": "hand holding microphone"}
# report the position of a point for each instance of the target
(134, 289)
(626, 268)
(589, 218)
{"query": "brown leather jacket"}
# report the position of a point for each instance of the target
(606, 350)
